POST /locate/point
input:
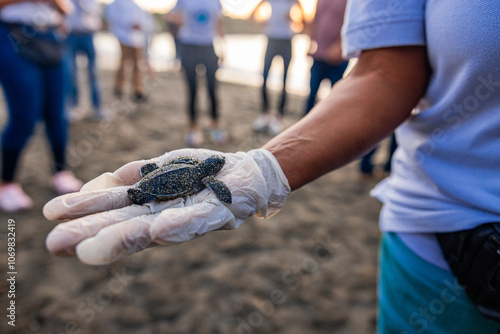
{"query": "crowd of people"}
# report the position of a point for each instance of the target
(194, 25)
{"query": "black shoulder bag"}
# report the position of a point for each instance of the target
(474, 258)
(42, 47)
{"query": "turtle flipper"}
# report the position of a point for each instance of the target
(139, 197)
(148, 168)
(219, 189)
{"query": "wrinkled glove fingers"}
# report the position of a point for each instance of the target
(80, 204)
(123, 176)
(116, 241)
(63, 239)
(182, 224)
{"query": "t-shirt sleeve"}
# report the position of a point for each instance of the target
(371, 24)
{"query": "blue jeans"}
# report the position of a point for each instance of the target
(366, 165)
(33, 93)
(82, 43)
(417, 297)
(321, 70)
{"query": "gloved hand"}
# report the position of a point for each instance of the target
(107, 226)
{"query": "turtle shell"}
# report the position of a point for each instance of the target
(172, 181)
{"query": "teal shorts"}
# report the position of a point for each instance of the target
(417, 297)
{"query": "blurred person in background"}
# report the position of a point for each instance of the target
(366, 166)
(83, 23)
(32, 77)
(149, 33)
(131, 25)
(200, 22)
(279, 43)
(326, 48)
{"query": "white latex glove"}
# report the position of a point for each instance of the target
(106, 226)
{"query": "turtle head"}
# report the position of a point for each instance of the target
(212, 165)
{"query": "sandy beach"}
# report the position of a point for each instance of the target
(309, 269)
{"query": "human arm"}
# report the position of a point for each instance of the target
(310, 31)
(255, 10)
(302, 12)
(175, 18)
(4, 3)
(362, 109)
(334, 53)
(221, 32)
(63, 6)
(219, 41)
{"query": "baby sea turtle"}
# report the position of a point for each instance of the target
(180, 177)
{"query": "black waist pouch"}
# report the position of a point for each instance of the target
(43, 47)
(474, 258)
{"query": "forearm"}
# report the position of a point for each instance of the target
(360, 111)
(302, 13)
(175, 18)
(62, 6)
(220, 27)
(8, 2)
(254, 11)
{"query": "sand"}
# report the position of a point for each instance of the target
(309, 269)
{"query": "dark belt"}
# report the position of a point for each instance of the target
(474, 258)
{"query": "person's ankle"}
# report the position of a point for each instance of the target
(6, 183)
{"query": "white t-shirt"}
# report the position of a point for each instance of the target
(446, 170)
(122, 16)
(200, 20)
(278, 25)
(86, 17)
(31, 13)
